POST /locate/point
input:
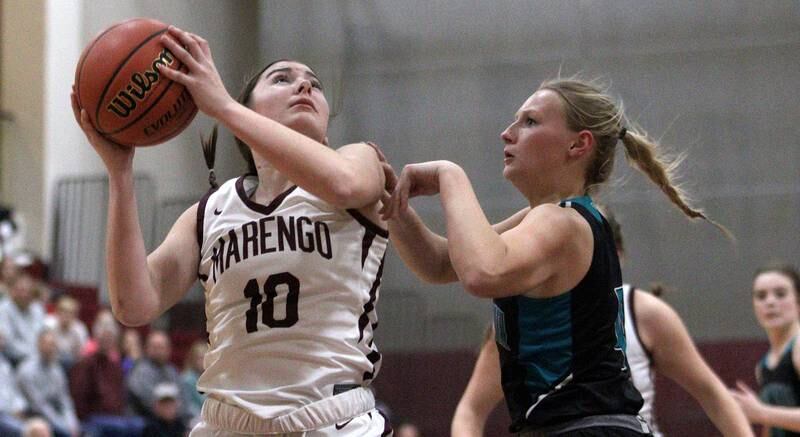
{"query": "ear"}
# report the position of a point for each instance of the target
(583, 145)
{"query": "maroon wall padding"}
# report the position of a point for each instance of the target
(424, 388)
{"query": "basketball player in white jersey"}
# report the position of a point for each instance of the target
(290, 256)
(656, 339)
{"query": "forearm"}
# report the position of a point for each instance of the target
(133, 297)
(787, 418)
(306, 162)
(723, 411)
(423, 251)
(473, 245)
(466, 423)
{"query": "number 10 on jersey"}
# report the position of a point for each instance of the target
(253, 292)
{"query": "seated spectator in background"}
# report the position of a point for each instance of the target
(71, 333)
(192, 368)
(21, 318)
(12, 401)
(149, 371)
(97, 386)
(166, 421)
(37, 427)
(8, 270)
(44, 384)
(131, 349)
(103, 316)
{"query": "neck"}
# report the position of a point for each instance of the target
(779, 337)
(538, 197)
(550, 185)
(271, 183)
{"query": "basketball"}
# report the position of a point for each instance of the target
(117, 82)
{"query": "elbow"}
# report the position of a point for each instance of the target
(349, 190)
(479, 283)
(129, 319)
(131, 316)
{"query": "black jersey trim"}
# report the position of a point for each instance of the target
(257, 207)
(201, 214)
(632, 308)
(367, 223)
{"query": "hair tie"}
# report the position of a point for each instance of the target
(212, 178)
(622, 133)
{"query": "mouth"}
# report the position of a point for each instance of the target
(507, 156)
(304, 102)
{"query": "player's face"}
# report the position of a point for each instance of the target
(291, 94)
(774, 300)
(536, 143)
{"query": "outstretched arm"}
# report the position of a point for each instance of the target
(350, 177)
(140, 287)
(771, 416)
(676, 356)
(482, 394)
(546, 253)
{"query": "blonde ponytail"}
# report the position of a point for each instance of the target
(588, 106)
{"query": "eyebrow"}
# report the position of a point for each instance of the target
(529, 111)
(289, 70)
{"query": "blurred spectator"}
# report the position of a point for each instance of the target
(21, 318)
(407, 429)
(12, 233)
(42, 381)
(8, 270)
(12, 401)
(131, 349)
(104, 316)
(149, 371)
(98, 387)
(37, 427)
(71, 333)
(166, 421)
(192, 368)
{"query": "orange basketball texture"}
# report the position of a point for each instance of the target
(118, 84)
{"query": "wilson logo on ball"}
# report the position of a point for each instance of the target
(140, 85)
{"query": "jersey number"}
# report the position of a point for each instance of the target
(252, 291)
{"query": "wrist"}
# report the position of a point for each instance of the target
(227, 111)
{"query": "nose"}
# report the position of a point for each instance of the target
(304, 86)
(506, 136)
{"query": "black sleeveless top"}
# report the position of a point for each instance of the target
(563, 357)
(780, 386)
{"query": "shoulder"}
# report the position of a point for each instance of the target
(796, 355)
(559, 229)
(557, 219)
(655, 318)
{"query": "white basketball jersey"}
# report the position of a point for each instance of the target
(639, 362)
(291, 289)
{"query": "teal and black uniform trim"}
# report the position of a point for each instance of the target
(562, 358)
(780, 386)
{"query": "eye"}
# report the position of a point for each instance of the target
(280, 78)
(759, 295)
(316, 84)
(529, 121)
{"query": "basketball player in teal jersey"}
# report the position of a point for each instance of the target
(775, 302)
(290, 257)
(656, 340)
(554, 275)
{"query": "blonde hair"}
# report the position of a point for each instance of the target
(588, 106)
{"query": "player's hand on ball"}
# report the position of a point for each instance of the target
(116, 157)
(202, 79)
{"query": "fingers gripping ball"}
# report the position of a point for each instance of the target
(118, 83)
